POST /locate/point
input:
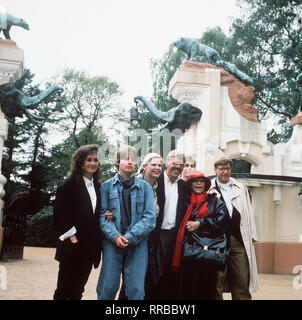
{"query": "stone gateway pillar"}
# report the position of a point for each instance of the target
(11, 68)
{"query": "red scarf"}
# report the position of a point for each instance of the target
(196, 201)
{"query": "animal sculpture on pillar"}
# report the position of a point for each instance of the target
(194, 48)
(14, 103)
(179, 117)
(7, 20)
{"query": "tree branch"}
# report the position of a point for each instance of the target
(271, 108)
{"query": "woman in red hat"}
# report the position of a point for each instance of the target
(207, 216)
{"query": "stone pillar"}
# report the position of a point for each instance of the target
(11, 68)
(199, 85)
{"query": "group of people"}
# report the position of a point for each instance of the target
(138, 222)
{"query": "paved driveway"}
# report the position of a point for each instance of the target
(34, 278)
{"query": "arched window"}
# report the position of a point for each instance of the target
(241, 166)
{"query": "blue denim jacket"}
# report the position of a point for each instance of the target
(142, 210)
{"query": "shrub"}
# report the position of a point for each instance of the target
(40, 230)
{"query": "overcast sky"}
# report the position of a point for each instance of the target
(116, 38)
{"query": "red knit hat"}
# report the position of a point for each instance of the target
(198, 174)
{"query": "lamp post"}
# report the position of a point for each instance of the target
(59, 105)
(135, 120)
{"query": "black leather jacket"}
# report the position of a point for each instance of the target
(218, 220)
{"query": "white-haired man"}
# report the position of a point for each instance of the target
(171, 198)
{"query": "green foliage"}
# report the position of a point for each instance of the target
(90, 102)
(217, 39)
(92, 114)
(40, 230)
(266, 45)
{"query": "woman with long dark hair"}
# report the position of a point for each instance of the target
(76, 215)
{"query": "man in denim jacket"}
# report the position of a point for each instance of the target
(130, 201)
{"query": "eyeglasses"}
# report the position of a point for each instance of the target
(224, 169)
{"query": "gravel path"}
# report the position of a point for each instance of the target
(34, 278)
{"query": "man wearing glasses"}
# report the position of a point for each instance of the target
(240, 276)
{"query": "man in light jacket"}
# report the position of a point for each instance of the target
(240, 276)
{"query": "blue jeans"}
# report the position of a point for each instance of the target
(133, 260)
